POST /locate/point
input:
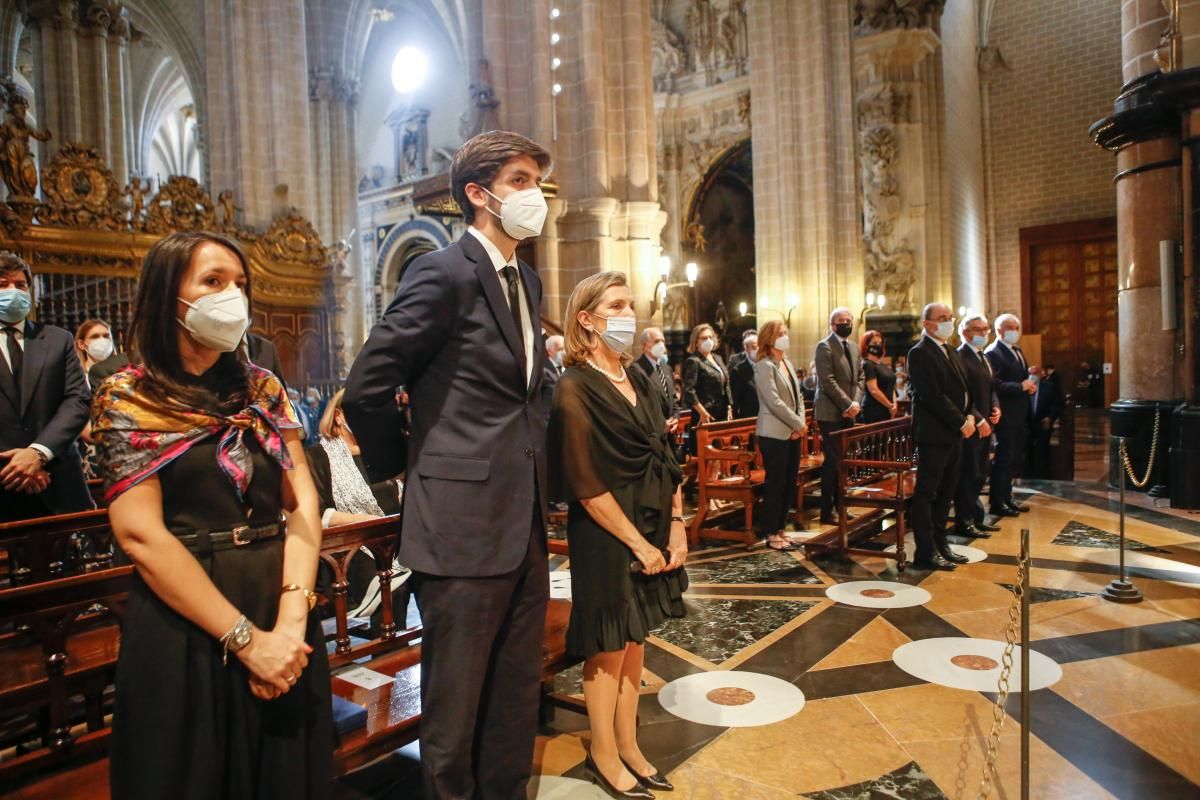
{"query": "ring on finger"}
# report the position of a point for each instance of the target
(290, 678)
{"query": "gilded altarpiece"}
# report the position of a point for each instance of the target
(86, 236)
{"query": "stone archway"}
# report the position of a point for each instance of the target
(719, 235)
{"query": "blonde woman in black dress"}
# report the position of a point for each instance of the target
(624, 524)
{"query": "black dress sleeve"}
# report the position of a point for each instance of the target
(870, 371)
(572, 434)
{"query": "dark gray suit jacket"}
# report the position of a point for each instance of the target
(981, 381)
(50, 407)
(839, 384)
(476, 452)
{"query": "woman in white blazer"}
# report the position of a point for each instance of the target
(780, 426)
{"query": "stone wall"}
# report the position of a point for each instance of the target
(1061, 70)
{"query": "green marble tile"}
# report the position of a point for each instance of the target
(1078, 534)
(769, 567)
(717, 630)
(906, 783)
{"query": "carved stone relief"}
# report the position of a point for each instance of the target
(713, 47)
(889, 264)
(873, 16)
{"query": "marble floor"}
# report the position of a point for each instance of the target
(1120, 717)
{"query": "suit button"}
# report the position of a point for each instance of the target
(529, 452)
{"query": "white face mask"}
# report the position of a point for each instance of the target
(1011, 337)
(618, 334)
(706, 346)
(218, 321)
(99, 349)
(659, 351)
(783, 343)
(522, 214)
(944, 329)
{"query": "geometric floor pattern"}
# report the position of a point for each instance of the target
(1122, 721)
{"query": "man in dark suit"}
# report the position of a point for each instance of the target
(741, 377)
(461, 336)
(1048, 403)
(969, 519)
(942, 419)
(44, 405)
(1015, 389)
(652, 362)
(552, 370)
(841, 387)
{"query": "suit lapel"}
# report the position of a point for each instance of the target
(528, 276)
(489, 280)
(8, 387)
(35, 358)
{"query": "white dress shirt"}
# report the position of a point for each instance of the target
(499, 262)
(20, 328)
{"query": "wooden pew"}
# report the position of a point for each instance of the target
(64, 645)
(70, 648)
(878, 472)
(728, 467)
(808, 482)
(52, 547)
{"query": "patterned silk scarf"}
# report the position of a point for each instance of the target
(351, 494)
(136, 436)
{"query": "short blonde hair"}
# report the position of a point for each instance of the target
(769, 333)
(329, 427)
(697, 332)
(579, 342)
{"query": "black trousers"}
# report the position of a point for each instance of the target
(971, 477)
(937, 480)
(481, 660)
(781, 458)
(1012, 438)
(832, 450)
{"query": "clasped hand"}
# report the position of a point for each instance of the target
(275, 660)
(24, 471)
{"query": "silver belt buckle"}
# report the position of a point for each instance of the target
(238, 533)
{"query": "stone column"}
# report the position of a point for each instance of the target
(1155, 203)
(898, 143)
(805, 207)
(56, 70)
(332, 101)
(257, 129)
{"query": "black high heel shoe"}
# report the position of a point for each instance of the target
(638, 792)
(655, 781)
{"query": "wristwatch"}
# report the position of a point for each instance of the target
(237, 638)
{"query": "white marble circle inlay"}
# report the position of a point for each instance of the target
(773, 699)
(553, 787)
(878, 594)
(560, 584)
(972, 554)
(962, 663)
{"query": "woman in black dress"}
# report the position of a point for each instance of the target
(881, 381)
(624, 524)
(706, 389)
(222, 685)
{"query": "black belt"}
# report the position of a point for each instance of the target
(206, 542)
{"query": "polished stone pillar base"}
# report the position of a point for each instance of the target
(1134, 420)
(1185, 457)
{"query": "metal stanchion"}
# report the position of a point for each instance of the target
(1121, 590)
(1026, 722)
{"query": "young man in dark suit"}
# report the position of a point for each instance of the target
(942, 419)
(462, 336)
(44, 403)
(969, 519)
(1015, 389)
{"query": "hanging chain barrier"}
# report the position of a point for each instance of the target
(1016, 611)
(1141, 484)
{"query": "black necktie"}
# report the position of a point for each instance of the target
(16, 356)
(514, 305)
(849, 361)
(1020, 357)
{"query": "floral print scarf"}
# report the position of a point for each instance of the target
(137, 436)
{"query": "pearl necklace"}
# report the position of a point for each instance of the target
(614, 378)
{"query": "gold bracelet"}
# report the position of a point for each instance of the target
(309, 594)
